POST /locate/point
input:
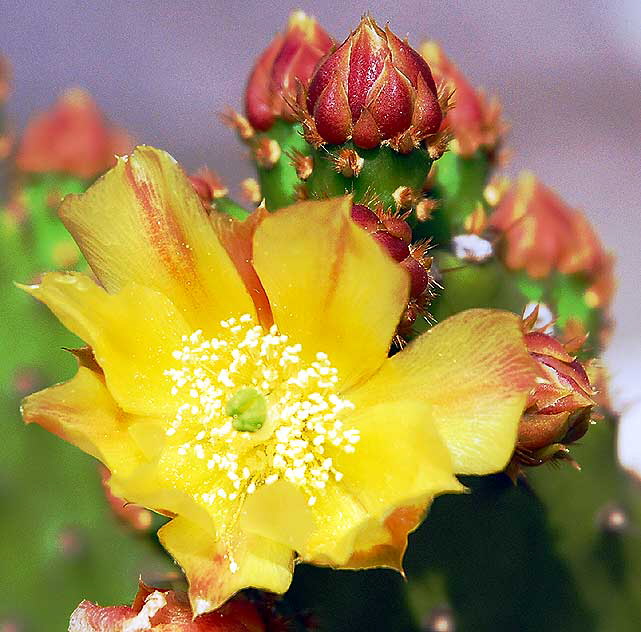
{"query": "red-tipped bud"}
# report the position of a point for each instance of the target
(72, 138)
(419, 276)
(541, 233)
(290, 57)
(372, 88)
(560, 405)
(473, 121)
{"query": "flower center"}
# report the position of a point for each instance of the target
(254, 411)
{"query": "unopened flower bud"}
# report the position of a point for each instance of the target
(473, 121)
(394, 246)
(559, 408)
(290, 57)
(399, 228)
(419, 275)
(540, 232)
(72, 138)
(372, 88)
(365, 218)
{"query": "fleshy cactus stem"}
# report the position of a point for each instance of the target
(458, 183)
(274, 156)
(385, 176)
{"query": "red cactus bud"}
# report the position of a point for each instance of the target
(419, 276)
(540, 233)
(374, 87)
(72, 138)
(560, 405)
(365, 218)
(157, 610)
(395, 247)
(290, 56)
(473, 121)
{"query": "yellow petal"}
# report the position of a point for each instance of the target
(280, 513)
(83, 412)
(132, 333)
(215, 572)
(475, 373)
(330, 285)
(400, 460)
(143, 222)
(386, 546)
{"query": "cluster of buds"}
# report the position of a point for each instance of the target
(290, 58)
(473, 122)
(394, 235)
(373, 88)
(539, 233)
(71, 138)
(560, 406)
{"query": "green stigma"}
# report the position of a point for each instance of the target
(248, 409)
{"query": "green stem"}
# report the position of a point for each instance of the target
(278, 184)
(229, 207)
(384, 171)
(458, 185)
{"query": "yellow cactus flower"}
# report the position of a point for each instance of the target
(239, 381)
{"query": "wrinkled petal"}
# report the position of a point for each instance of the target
(399, 461)
(318, 269)
(216, 572)
(132, 333)
(83, 412)
(143, 222)
(475, 373)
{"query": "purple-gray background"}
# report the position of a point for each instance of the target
(568, 74)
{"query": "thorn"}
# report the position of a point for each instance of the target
(303, 164)
(476, 222)
(404, 198)
(267, 152)
(495, 189)
(250, 191)
(238, 123)
(437, 143)
(425, 208)
(348, 163)
(613, 518)
(440, 619)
